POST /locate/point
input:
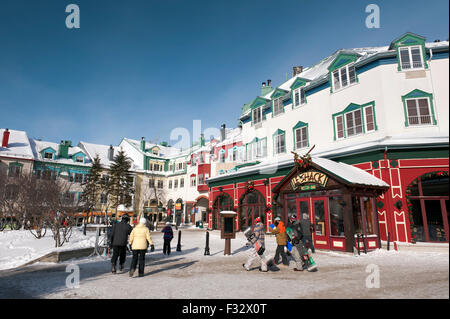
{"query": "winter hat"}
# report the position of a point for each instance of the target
(257, 220)
(142, 220)
(293, 217)
(305, 216)
(277, 219)
(167, 223)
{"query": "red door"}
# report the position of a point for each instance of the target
(319, 217)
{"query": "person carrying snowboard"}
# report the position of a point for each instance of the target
(256, 240)
(306, 230)
(280, 233)
(299, 252)
(168, 236)
(118, 242)
(140, 239)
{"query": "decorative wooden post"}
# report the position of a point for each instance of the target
(228, 229)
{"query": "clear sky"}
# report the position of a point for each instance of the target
(141, 67)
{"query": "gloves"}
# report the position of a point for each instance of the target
(152, 248)
(248, 244)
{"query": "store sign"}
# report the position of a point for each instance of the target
(309, 177)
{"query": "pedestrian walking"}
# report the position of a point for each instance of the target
(168, 236)
(281, 236)
(257, 241)
(140, 239)
(118, 242)
(299, 251)
(307, 229)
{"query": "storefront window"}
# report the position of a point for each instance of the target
(437, 186)
(304, 209)
(435, 223)
(252, 205)
(337, 215)
(357, 215)
(291, 207)
(369, 212)
(417, 230)
(319, 215)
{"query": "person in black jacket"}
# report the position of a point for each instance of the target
(119, 241)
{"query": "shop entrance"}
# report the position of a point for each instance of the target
(316, 210)
(430, 208)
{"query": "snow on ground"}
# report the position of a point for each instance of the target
(17, 247)
(190, 274)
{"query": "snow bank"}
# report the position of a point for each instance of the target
(18, 247)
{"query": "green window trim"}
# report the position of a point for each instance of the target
(417, 94)
(409, 40)
(342, 60)
(300, 125)
(254, 142)
(15, 164)
(351, 108)
(274, 135)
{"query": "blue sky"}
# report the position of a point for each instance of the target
(141, 68)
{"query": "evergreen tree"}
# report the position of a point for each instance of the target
(92, 187)
(120, 186)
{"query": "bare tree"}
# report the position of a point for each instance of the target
(63, 206)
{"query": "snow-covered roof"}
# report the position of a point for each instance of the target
(232, 135)
(349, 173)
(18, 145)
(38, 146)
(101, 150)
(319, 72)
(410, 140)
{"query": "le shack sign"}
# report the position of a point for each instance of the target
(309, 177)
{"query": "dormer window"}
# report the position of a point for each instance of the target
(411, 57)
(79, 159)
(278, 106)
(299, 97)
(257, 116)
(48, 155)
(344, 77)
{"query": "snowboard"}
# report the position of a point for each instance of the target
(304, 253)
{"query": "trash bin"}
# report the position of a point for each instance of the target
(200, 224)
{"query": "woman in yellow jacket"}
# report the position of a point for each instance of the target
(139, 240)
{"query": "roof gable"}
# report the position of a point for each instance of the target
(407, 39)
(278, 93)
(341, 60)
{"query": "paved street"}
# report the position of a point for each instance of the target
(190, 274)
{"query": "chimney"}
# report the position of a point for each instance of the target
(64, 149)
(222, 133)
(5, 140)
(297, 70)
(202, 139)
(265, 89)
(143, 144)
(111, 153)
